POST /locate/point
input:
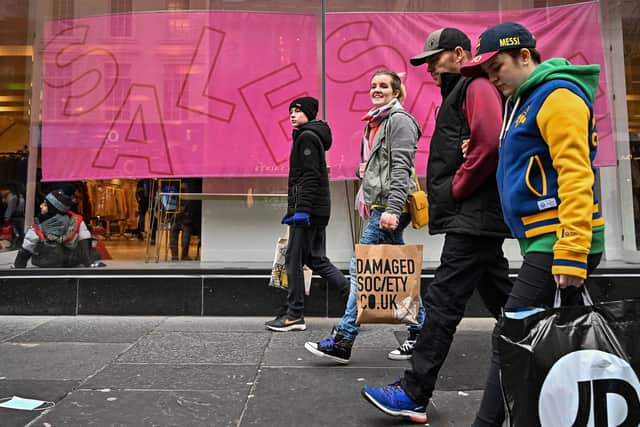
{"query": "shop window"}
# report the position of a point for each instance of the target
(121, 19)
(60, 10)
(631, 41)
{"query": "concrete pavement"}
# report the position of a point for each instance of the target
(216, 371)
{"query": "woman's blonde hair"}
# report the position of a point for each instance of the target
(396, 83)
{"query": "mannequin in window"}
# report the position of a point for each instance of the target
(187, 219)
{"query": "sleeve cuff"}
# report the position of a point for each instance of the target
(570, 264)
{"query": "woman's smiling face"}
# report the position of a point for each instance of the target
(381, 90)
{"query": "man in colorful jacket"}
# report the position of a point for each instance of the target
(545, 173)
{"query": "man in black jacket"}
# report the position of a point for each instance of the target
(308, 211)
(465, 207)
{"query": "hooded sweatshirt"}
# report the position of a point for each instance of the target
(308, 186)
(545, 170)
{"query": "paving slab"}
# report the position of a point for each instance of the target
(52, 391)
(365, 357)
(214, 324)
(146, 408)
(16, 325)
(55, 361)
(467, 363)
(94, 329)
(313, 397)
(370, 336)
(174, 377)
(198, 347)
(452, 408)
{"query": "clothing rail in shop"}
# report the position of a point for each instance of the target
(212, 196)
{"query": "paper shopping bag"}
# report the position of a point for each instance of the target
(388, 283)
(279, 278)
(278, 270)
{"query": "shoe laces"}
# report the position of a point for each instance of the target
(396, 383)
(407, 345)
(393, 390)
(330, 341)
(327, 342)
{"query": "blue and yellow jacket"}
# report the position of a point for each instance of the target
(545, 169)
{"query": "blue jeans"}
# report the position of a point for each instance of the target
(373, 235)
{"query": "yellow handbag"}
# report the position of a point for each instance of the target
(418, 207)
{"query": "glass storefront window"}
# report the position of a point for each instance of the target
(631, 40)
(15, 101)
(154, 62)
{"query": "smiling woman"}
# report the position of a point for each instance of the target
(389, 144)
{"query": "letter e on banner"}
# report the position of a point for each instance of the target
(268, 93)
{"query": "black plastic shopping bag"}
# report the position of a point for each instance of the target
(572, 366)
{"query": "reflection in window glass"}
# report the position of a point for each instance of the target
(631, 40)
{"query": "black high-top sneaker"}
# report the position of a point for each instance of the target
(335, 347)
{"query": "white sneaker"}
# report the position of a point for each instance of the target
(404, 352)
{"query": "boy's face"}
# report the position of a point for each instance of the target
(297, 117)
(507, 73)
(44, 208)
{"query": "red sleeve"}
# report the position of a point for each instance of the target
(483, 109)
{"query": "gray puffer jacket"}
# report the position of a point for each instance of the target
(390, 172)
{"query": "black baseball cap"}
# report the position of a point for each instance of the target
(439, 40)
(505, 36)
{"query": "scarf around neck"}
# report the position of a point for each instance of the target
(378, 114)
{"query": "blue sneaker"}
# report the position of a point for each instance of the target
(393, 400)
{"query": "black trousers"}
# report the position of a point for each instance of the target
(534, 287)
(467, 263)
(307, 246)
(185, 240)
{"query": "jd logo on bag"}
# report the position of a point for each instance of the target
(606, 393)
(572, 366)
(388, 283)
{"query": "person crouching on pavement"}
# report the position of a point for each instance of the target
(308, 211)
(390, 140)
(58, 237)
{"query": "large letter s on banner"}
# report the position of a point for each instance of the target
(70, 64)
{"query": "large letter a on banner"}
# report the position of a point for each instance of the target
(141, 137)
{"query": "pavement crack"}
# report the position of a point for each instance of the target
(256, 380)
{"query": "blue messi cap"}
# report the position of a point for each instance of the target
(505, 36)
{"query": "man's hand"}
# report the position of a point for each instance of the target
(389, 221)
(298, 218)
(465, 147)
(564, 280)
